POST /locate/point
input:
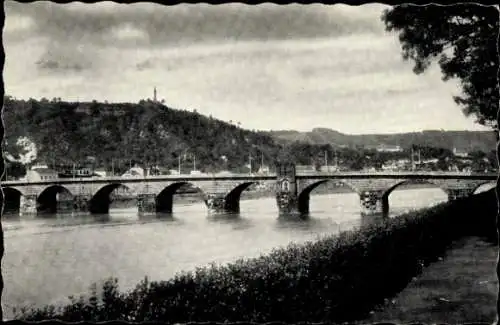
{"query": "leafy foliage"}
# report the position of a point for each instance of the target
(334, 279)
(465, 39)
(147, 133)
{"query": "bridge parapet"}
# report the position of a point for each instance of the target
(223, 192)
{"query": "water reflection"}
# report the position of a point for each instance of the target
(293, 217)
(156, 216)
(235, 220)
(228, 216)
(367, 221)
(305, 223)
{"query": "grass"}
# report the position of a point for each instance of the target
(460, 288)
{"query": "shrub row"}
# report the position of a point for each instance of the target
(334, 279)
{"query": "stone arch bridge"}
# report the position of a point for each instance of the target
(222, 193)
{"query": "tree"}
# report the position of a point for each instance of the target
(13, 170)
(463, 37)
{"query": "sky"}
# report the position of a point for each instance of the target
(269, 67)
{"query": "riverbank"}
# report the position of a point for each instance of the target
(462, 287)
(323, 280)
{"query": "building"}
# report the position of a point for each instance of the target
(304, 169)
(100, 173)
(75, 171)
(459, 153)
(264, 170)
(223, 173)
(399, 164)
(158, 170)
(134, 172)
(41, 173)
(388, 148)
(328, 169)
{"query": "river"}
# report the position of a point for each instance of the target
(47, 260)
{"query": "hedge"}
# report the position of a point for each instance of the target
(337, 278)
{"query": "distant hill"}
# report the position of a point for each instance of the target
(462, 140)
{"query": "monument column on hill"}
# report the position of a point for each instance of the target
(286, 189)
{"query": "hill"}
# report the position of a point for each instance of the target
(122, 134)
(462, 140)
(118, 135)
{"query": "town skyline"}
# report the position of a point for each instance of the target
(291, 67)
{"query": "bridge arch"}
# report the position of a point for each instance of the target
(11, 200)
(53, 199)
(304, 196)
(433, 184)
(165, 198)
(411, 181)
(101, 199)
(232, 201)
(484, 186)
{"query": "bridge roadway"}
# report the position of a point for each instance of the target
(222, 192)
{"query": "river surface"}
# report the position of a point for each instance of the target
(47, 260)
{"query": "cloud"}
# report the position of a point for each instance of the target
(147, 64)
(72, 33)
(54, 65)
(60, 59)
(268, 66)
(156, 25)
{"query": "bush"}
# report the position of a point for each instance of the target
(334, 279)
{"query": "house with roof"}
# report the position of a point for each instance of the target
(460, 153)
(135, 172)
(388, 148)
(40, 173)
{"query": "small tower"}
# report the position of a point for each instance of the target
(154, 95)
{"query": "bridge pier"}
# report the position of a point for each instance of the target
(146, 203)
(288, 204)
(287, 197)
(64, 203)
(28, 205)
(218, 203)
(374, 202)
(81, 203)
(64, 206)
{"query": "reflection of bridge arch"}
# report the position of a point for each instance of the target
(165, 199)
(100, 201)
(11, 200)
(53, 199)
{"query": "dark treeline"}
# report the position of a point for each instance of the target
(120, 135)
(462, 140)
